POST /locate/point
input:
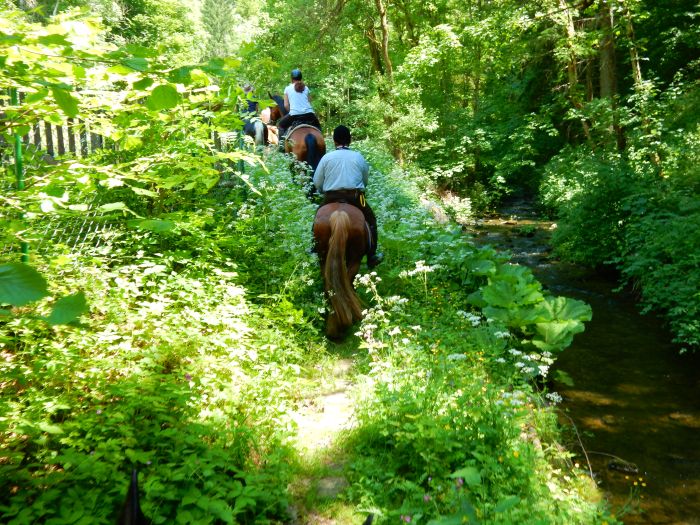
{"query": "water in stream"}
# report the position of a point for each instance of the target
(634, 400)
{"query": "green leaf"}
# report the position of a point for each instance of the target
(68, 309)
(481, 267)
(143, 191)
(140, 51)
(470, 475)
(507, 503)
(113, 206)
(192, 495)
(65, 101)
(164, 96)
(154, 225)
(120, 69)
(40, 94)
(20, 284)
(136, 63)
(53, 40)
(144, 83)
(49, 428)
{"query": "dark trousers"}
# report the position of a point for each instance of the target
(286, 122)
(357, 199)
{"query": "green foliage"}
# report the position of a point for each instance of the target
(638, 211)
(446, 393)
(587, 191)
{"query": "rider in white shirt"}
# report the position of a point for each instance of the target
(297, 101)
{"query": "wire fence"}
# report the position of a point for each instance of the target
(46, 144)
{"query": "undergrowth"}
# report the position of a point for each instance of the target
(203, 338)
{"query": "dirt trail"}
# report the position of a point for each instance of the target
(320, 420)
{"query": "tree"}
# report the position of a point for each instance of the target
(219, 23)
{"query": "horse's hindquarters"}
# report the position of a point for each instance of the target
(339, 232)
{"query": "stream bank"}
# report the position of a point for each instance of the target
(633, 399)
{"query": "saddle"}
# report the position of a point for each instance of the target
(298, 125)
(342, 200)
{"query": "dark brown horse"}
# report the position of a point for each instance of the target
(341, 237)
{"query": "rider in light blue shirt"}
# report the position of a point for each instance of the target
(341, 176)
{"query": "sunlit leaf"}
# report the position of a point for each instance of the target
(21, 284)
(164, 96)
(136, 63)
(113, 206)
(68, 309)
(65, 101)
(507, 503)
(33, 98)
(144, 83)
(53, 40)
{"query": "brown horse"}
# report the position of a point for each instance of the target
(341, 237)
(307, 144)
(304, 141)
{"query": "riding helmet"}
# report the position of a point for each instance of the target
(296, 74)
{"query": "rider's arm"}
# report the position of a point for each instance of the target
(320, 175)
(286, 102)
(365, 171)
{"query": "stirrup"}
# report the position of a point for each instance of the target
(374, 260)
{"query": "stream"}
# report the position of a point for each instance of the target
(633, 399)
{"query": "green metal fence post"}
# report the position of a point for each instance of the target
(19, 168)
(241, 143)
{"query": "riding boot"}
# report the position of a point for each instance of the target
(373, 258)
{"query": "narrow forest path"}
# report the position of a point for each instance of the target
(321, 419)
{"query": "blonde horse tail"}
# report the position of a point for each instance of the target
(344, 300)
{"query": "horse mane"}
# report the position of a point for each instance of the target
(279, 100)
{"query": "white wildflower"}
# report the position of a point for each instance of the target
(554, 397)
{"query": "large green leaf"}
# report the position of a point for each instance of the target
(556, 335)
(154, 225)
(68, 309)
(507, 503)
(20, 284)
(564, 309)
(137, 63)
(164, 96)
(508, 294)
(65, 101)
(470, 475)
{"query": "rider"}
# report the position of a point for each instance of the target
(297, 102)
(251, 110)
(341, 176)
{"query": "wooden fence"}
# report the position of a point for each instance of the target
(75, 138)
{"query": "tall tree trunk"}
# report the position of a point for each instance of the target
(381, 9)
(635, 64)
(410, 28)
(608, 79)
(607, 70)
(373, 44)
(634, 53)
(572, 65)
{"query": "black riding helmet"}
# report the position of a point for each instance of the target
(296, 74)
